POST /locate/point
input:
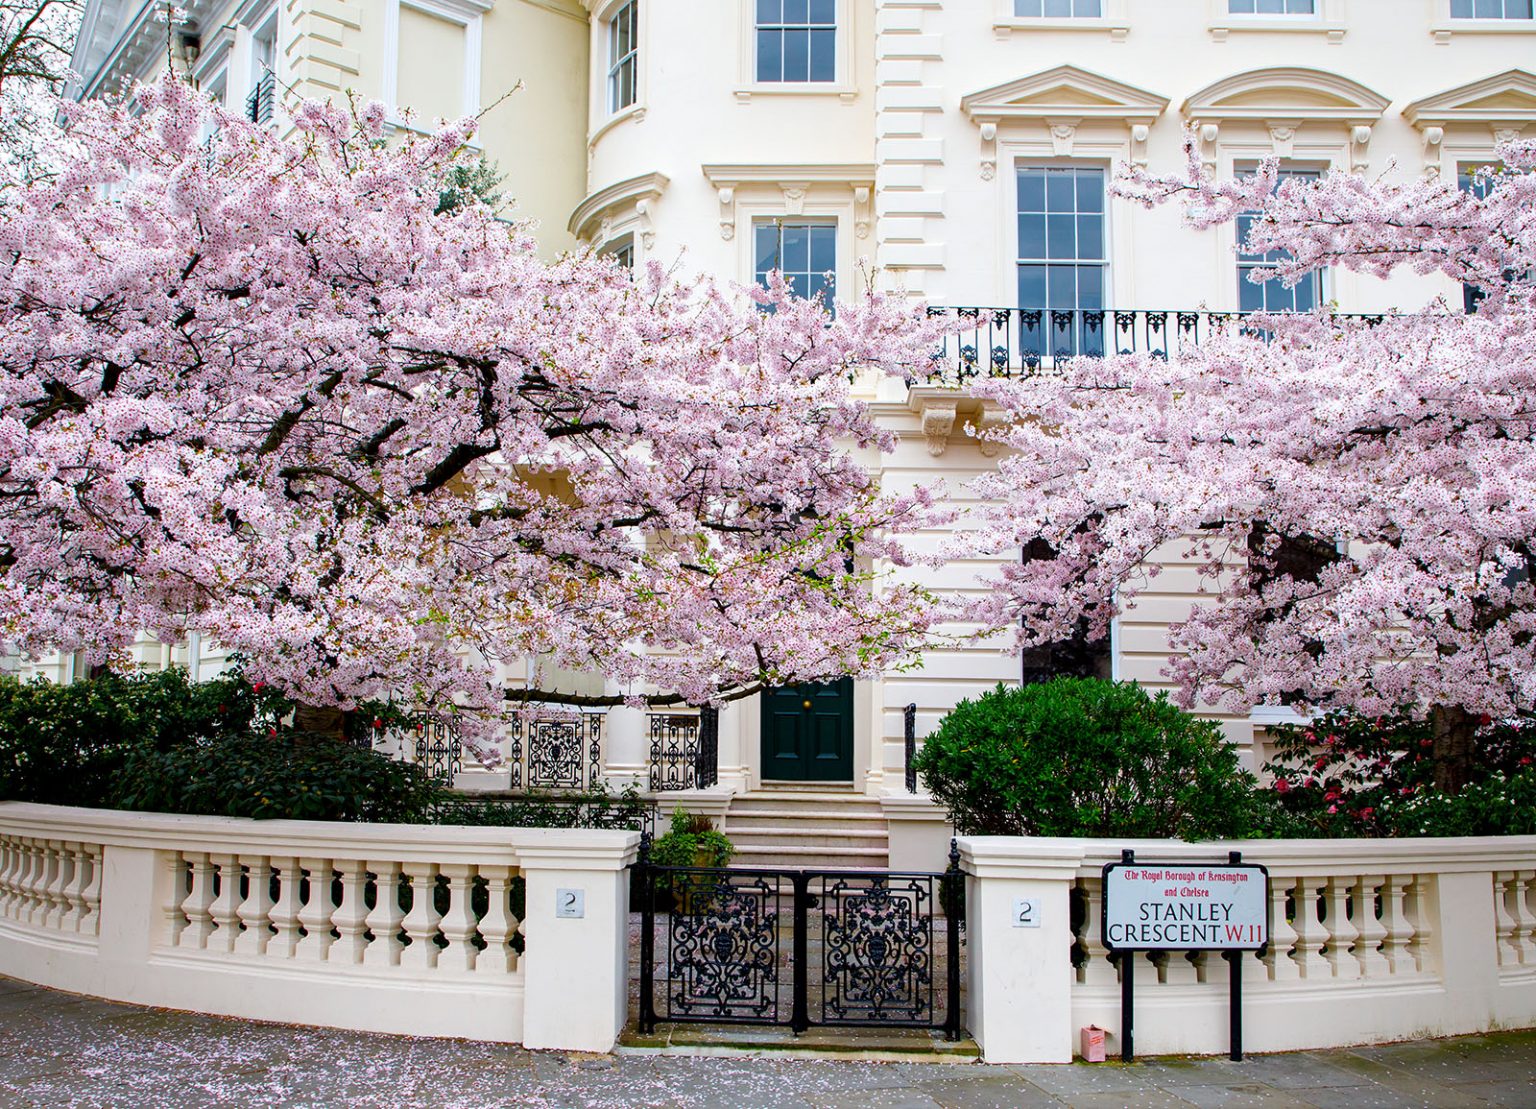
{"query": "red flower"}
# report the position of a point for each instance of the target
(377, 723)
(257, 687)
(1484, 720)
(271, 731)
(1319, 764)
(1367, 813)
(1525, 760)
(1282, 786)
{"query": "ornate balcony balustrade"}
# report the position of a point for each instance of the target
(1012, 342)
(685, 750)
(262, 101)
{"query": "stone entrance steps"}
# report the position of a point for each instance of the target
(795, 827)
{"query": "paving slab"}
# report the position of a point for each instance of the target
(61, 1050)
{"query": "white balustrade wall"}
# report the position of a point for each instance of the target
(1370, 941)
(391, 928)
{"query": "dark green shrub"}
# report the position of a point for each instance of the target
(283, 775)
(1085, 757)
(625, 810)
(1349, 775)
(68, 744)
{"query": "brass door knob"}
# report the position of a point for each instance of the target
(807, 704)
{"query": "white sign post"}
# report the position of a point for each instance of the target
(1184, 906)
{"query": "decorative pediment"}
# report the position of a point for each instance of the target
(636, 194)
(1064, 92)
(1289, 93)
(1506, 99)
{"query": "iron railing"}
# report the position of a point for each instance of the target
(433, 740)
(559, 750)
(262, 101)
(1012, 342)
(685, 750)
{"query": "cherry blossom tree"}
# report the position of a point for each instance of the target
(1360, 496)
(257, 388)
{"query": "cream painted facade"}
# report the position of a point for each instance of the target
(651, 128)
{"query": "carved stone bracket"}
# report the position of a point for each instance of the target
(988, 151)
(861, 212)
(1359, 148)
(989, 419)
(727, 198)
(1063, 134)
(1209, 132)
(938, 421)
(1282, 136)
(1433, 138)
(1139, 135)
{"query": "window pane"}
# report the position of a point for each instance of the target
(1090, 288)
(1060, 239)
(1058, 8)
(824, 11)
(1031, 235)
(1301, 7)
(1031, 190)
(1090, 236)
(1089, 9)
(1240, 7)
(767, 247)
(820, 284)
(1031, 286)
(1250, 297)
(770, 11)
(1461, 9)
(823, 55)
(1090, 190)
(796, 11)
(823, 249)
(796, 283)
(797, 248)
(1271, 7)
(1517, 9)
(770, 56)
(1062, 290)
(1305, 293)
(1028, 7)
(1488, 9)
(797, 55)
(1059, 191)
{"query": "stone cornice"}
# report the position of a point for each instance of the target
(631, 191)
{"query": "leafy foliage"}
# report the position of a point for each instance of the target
(626, 809)
(1352, 775)
(1086, 757)
(691, 841)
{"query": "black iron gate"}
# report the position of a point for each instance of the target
(800, 947)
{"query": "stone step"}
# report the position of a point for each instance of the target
(777, 818)
(809, 805)
(822, 837)
(811, 857)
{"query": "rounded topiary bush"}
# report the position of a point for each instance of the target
(1085, 757)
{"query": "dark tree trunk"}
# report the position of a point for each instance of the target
(321, 720)
(1453, 729)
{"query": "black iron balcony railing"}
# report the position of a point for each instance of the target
(262, 101)
(1011, 342)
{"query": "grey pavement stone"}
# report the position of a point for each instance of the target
(58, 1050)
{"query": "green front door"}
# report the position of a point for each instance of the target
(808, 732)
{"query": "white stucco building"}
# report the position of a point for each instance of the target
(963, 147)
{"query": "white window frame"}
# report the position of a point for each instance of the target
(843, 84)
(808, 219)
(466, 14)
(1245, 167)
(1444, 26)
(1108, 243)
(632, 58)
(1113, 21)
(1504, 6)
(1315, 13)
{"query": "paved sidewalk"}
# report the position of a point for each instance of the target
(60, 1050)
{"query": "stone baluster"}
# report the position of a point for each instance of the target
(1279, 961)
(74, 890)
(9, 859)
(1419, 915)
(55, 904)
(1311, 935)
(385, 919)
(351, 916)
(1394, 920)
(1507, 928)
(256, 907)
(1096, 970)
(286, 910)
(34, 881)
(225, 909)
(1342, 931)
(420, 923)
(90, 919)
(198, 902)
(458, 923)
(1373, 933)
(498, 925)
(178, 885)
(1525, 914)
(315, 945)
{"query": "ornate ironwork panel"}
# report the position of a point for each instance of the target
(722, 944)
(909, 743)
(707, 769)
(556, 750)
(674, 751)
(439, 750)
(877, 949)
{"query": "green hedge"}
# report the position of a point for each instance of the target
(1085, 757)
